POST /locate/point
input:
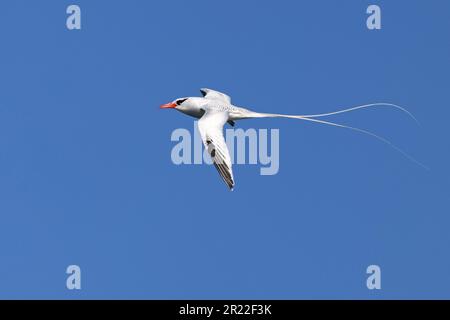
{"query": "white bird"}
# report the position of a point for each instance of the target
(215, 109)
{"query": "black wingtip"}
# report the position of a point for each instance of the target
(230, 184)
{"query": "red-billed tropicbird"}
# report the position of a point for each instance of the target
(215, 109)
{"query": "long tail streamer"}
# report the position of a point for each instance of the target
(312, 118)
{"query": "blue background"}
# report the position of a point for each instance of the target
(86, 176)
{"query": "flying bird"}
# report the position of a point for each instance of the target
(215, 109)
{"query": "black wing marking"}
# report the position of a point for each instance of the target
(215, 95)
(220, 163)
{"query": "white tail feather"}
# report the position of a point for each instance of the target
(252, 114)
(365, 106)
(370, 134)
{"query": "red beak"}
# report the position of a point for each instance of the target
(168, 105)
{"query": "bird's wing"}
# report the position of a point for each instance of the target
(211, 131)
(215, 95)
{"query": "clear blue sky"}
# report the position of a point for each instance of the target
(86, 176)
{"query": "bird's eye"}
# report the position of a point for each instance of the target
(180, 101)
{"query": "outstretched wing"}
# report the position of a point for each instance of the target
(215, 95)
(211, 131)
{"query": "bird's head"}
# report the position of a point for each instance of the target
(178, 104)
(192, 106)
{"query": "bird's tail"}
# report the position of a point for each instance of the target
(313, 118)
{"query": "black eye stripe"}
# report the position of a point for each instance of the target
(180, 101)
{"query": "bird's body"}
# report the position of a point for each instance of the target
(215, 109)
(197, 106)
